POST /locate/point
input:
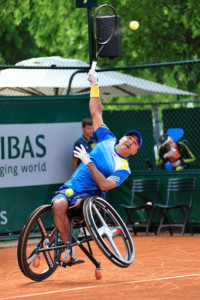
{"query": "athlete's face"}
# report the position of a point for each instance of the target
(128, 145)
(88, 131)
(169, 145)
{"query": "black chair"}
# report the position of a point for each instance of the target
(150, 186)
(185, 187)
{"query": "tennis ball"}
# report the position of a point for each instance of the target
(134, 25)
(69, 192)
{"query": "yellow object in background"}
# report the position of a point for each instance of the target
(134, 25)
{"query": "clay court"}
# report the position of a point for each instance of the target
(164, 268)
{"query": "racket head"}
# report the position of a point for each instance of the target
(104, 24)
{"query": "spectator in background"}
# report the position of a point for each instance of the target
(176, 153)
(87, 140)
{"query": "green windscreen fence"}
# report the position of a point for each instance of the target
(142, 120)
(36, 146)
(122, 195)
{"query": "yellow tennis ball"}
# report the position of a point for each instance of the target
(134, 25)
(69, 192)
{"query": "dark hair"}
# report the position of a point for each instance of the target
(87, 121)
(163, 139)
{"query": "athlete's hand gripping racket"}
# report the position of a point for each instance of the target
(103, 26)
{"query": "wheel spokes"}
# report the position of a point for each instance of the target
(109, 231)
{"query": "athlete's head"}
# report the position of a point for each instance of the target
(130, 143)
(137, 135)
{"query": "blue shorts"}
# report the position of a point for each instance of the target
(71, 200)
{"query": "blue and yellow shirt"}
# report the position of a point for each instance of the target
(106, 159)
(88, 144)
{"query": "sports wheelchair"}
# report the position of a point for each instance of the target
(40, 245)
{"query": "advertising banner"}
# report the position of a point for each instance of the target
(36, 150)
(36, 154)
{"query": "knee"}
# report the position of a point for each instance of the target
(60, 206)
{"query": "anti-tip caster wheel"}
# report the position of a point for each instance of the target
(98, 273)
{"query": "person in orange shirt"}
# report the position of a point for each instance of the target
(177, 153)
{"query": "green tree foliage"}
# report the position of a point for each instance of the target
(31, 28)
(169, 30)
(15, 38)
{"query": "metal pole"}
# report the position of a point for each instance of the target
(90, 36)
(157, 123)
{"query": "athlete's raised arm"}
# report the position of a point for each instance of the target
(95, 102)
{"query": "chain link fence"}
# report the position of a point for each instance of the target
(149, 98)
(152, 120)
(60, 76)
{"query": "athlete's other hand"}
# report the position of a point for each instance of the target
(81, 153)
(92, 77)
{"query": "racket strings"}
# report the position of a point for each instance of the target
(105, 24)
(104, 28)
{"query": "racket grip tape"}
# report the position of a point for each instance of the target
(94, 64)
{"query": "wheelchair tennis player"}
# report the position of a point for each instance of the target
(105, 168)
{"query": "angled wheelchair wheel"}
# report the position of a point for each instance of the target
(109, 231)
(38, 232)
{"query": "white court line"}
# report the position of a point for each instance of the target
(99, 286)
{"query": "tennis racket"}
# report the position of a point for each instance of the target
(104, 25)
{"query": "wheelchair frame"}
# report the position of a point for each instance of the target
(40, 245)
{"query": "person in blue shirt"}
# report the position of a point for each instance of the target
(105, 168)
(87, 140)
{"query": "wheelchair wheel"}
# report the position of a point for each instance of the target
(38, 232)
(109, 231)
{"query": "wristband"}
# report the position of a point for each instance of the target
(94, 91)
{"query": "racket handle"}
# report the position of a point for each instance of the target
(94, 64)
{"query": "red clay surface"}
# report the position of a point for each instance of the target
(164, 268)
